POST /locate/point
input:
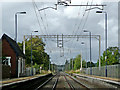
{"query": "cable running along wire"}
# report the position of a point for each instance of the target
(80, 23)
(40, 17)
(37, 17)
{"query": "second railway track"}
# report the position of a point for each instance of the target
(51, 83)
(62, 81)
(75, 84)
(55, 82)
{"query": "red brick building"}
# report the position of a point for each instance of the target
(16, 58)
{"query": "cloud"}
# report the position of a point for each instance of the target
(78, 12)
(27, 1)
(65, 20)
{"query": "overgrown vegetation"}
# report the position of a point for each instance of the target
(74, 65)
(39, 56)
(112, 57)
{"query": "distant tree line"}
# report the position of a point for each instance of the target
(113, 57)
(75, 63)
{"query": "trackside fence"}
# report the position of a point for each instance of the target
(112, 71)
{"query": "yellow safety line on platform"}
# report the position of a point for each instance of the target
(19, 79)
(107, 78)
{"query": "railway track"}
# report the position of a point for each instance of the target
(65, 81)
(61, 81)
(51, 83)
(70, 85)
(55, 82)
(74, 83)
(77, 81)
(30, 84)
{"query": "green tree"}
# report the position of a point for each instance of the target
(39, 56)
(72, 61)
(112, 57)
(67, 65)
(77, 62)
(37, 67)
(84, 64)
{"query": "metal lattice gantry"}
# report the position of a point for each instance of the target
(61, 38)
(64, 36)
(68, 3)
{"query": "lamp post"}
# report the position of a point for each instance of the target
(72, 63)
(53, 67)
(16, 23)
(31, 54)
(50, 62)
(90, 52)
(49, 66)
(82, 43)
(105, 39)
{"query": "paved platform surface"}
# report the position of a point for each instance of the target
(106, 79)
(15, 80)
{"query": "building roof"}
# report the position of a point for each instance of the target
(13, 45)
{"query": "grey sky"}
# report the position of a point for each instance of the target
(65, 20)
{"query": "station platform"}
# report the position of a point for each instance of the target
(115, 81)
(5, 82)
